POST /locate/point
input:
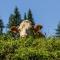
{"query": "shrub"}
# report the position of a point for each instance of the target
(29, 48)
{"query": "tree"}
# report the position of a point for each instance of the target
(17, 16)
(11, 21)
(1, 26)
(25, 17)
(58, 30)
(30, 17)
(14, 19)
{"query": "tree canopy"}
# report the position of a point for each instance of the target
(15, 18)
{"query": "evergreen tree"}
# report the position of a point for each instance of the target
(1, 26)
(17, 16)
(30, 17)
(14, 19)
(25, 17)
(58, 30)
(11, 21)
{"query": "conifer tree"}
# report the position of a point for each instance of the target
(14, 19)
(30, 17)
(58, 30)
(25, 17)
(11, 21)
(1, 26)
(17, 16)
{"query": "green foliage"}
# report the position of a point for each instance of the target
(58, 30)
(1, 26)
(15, 18)
(29, 48)
(30, 17)
(25, 17)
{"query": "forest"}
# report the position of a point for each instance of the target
(31, 47)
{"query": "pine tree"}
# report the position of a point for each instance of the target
(14, 19)
(30, 17)
(1, 26)
(25, 17)
(58, 30)
(17, 16)
(11, 21)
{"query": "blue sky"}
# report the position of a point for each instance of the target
(45, 12)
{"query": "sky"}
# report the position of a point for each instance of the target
(45, 12)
